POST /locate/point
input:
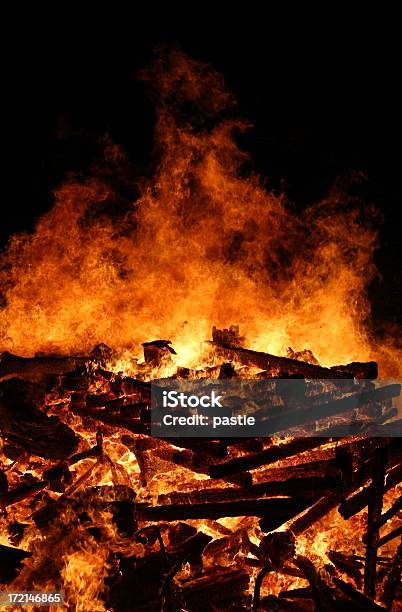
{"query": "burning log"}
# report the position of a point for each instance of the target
(215, 588)
(332, 593)
(278, 510)
(285, 366)
(90, 453)
(22, 423)
(392, 580)
(374, 514)
(395, 533)
(185, 545)
(303, 487)
(347, 565)
(299, 593)
(284, 418)
(247, 445)
(271, 603)
(59, 477)
(357, 502)
(190, 550)
(323, 594)
(37, 369)
(273, 551)
(227, 545)
(197, 461)
(337, 497)
(284, 451)
(13, 496)
(323, 505)
(265, 457)
(315, 512)
(136, 425)
(228, 337)
(359, 601)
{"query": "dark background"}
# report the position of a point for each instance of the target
(323, 97)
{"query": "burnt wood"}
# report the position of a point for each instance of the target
(374, 514)
(265, 457)
(38, 368)
(18, 494)
(392, 580)
(356, 503)
(347, 565)
(302, 487)
(25, 425)
(284, 365)
(222, 584)
(357, 600)
(285, 417)
(278, 510)
(395, 533)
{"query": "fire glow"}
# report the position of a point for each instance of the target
(203, 245)
(91, 502)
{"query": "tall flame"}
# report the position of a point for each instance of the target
(205, 243)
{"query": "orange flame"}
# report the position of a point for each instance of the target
(204, 244)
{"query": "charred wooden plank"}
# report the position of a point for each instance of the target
(355, 446)
(347, 565)
(321, 507)
(287, 604)
(324, 595)
(18, 494)
(230, 544)
(386, 516)
(198, 462)
(248, 445)
(359, 601)
(284, 365)
(395, 533)
(22, 423)
(298, 593)
(287, 417)
(90, 453)
(223, 584)
(190, 549)
(356, 503)
(393, 579)
(277, 509)
(118, 422)
(315, 512)
(374, 513)
(265, 457)
(304, 487)
(37, 368)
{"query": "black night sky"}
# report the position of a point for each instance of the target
(322, 102)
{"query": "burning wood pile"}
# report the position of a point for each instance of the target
(95, 506)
